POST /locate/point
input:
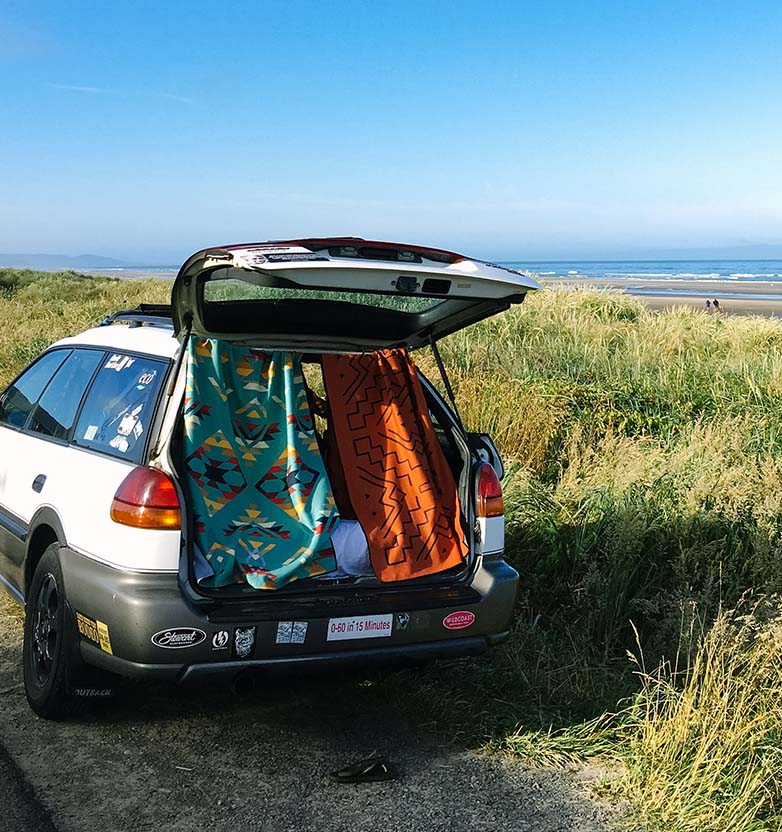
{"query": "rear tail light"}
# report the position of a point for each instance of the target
(146, 499)
(489, 501)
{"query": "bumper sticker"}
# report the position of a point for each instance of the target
(178, 637)
(402, 620)
(458, 620)
(94, 630)
(291, 632)
(244, 642)
(359, 626)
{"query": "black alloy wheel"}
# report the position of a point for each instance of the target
(48, 652)
(46, 628)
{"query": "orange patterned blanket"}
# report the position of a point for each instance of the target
(400, 485)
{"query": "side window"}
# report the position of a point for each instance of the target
(18, 400)
(119, 407)
(56, 409)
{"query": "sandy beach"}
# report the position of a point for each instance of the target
(735, 297)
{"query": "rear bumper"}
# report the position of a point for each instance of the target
(194, 674)
(126, 615)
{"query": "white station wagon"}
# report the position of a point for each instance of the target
(257, 475)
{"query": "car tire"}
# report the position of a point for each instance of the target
(52, 665)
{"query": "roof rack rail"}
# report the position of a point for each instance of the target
(145, 314)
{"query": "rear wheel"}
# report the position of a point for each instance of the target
(52, 665)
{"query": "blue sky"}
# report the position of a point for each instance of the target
(147, 130)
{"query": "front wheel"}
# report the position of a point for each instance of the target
(48, 652)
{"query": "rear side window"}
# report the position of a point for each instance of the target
(118, 410)
(18, 400)
(56, 409)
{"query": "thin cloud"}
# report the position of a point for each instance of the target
(170, 96)
(174, 97)
(73, 88)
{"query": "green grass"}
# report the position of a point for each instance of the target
(37, 308)
(644, 502)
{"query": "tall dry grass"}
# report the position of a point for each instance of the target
(37, 308)
(703, 743)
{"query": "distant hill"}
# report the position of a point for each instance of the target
(53, 262)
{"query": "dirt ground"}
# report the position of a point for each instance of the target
(161, 758)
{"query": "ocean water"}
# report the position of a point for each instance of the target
(637, 271)
(739, 279)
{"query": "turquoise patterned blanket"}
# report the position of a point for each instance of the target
(263, 506)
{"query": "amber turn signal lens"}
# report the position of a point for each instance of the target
(147, 499)
(489, 502)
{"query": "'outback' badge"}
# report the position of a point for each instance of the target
(178, 637)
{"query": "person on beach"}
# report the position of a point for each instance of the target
(716, 304)
(708, 305)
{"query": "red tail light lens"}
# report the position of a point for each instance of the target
(146, 499)
(489, 502)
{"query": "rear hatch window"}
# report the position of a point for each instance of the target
(339, 297)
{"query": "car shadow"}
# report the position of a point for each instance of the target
(166, 757)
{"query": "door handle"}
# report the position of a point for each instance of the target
(38, 483)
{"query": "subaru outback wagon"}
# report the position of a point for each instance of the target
(256, 475)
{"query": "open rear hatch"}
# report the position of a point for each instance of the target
(340, 294)
(343, 295)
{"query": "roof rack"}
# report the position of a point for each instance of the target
(145, 314)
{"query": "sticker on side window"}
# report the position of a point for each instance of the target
(127, 423)
(120, 444)
(89, 434)
(118, 362)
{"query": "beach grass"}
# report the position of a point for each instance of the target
(644, 514)
(37, 308)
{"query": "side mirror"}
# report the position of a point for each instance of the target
(484, 447)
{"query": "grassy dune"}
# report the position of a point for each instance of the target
(37, 308)
(644, 497)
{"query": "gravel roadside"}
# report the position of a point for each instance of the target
(162, 758)
(20, 809)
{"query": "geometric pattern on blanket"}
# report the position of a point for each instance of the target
(262, 502)
(401, 487)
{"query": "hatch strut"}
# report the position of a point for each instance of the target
(444, 376)
(180, 356)
(173, 378)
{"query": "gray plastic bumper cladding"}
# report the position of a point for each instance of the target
(153, 632)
